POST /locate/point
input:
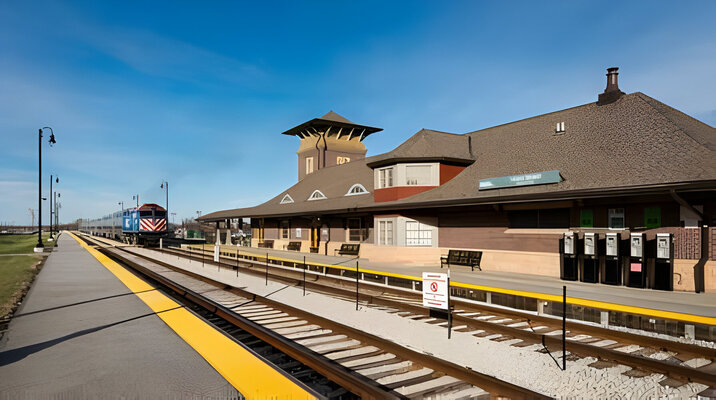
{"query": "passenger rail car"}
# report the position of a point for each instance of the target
(144, 225)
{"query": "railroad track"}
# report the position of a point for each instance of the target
(336, 360)
(679, 362)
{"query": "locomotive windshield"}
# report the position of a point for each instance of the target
(147, 213)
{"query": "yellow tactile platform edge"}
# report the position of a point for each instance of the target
(649, 312)
(248, 374)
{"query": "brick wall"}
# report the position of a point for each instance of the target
(687, 243)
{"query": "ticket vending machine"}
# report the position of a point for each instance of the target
(664, 262)
(637, 261)
(612, 260)
(569, 260)
(590, 260)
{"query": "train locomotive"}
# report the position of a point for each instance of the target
(144, 225)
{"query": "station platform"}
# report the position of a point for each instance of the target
(699, 308)
(82, 333)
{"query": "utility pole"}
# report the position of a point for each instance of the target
(39, 248)
(167, 210)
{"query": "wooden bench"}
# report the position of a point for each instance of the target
(268, 244)
(468, 258)
(348, 249)
(293, 246)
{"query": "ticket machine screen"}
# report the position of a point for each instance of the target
(612, 245)
(589, 244)
(568, 243)
(637, 245)
(663, 246)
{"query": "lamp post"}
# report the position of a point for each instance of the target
(40, 247)
(167, 211)
(136, 198)
(57, 180)
(57, 211)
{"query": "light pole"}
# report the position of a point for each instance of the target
(167, 211)
(40, 247)
(57, 211)
(57, 180)
(136, 198)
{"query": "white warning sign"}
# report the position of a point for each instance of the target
(435, 290)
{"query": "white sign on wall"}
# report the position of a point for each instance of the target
(435, 290)
(298, 233)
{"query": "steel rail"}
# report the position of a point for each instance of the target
(605, 333)
(491, 384)
(355, 383)
(673, 370)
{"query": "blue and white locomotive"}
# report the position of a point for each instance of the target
(143, 225)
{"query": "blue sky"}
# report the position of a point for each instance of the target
(198, 93)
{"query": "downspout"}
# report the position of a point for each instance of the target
(700, 267)
(318, 154)
(325, 147)
(328, 225)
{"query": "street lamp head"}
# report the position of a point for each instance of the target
(162, 185)
(57, 180)
(52, 139)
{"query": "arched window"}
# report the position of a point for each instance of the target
(317, 195)
(286, 199)
(356, 190)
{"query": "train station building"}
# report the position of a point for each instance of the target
(625, 164)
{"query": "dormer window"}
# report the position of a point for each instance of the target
(356, 190)
(385, 177)
(559, 128)
(418, 175)
(286, 199)
(317, 195)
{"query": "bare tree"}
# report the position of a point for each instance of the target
(32, 214)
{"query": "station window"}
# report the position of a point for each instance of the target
(418, 234)
(356, 189)
(385, 177)
(417, 175)
(309, 165)
(317, 195)
(385, 233)
(286, 199)
(616, 218)
(544, 218)
(355, 230)
(284, 229)
(342, 160)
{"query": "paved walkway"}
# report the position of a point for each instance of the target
(702, 304)
(80, 333)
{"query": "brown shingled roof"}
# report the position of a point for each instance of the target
(332, 120)
(429, 145)
(635, 142)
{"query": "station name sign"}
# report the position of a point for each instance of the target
(534, 178)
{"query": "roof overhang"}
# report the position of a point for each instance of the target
(577, 194)
(397, 160)
(316, 126)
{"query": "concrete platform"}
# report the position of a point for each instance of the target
(700, 304)
(80, 333)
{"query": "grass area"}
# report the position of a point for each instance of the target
(16, 273)
(21, 244)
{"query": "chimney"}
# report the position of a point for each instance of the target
(612, 92)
